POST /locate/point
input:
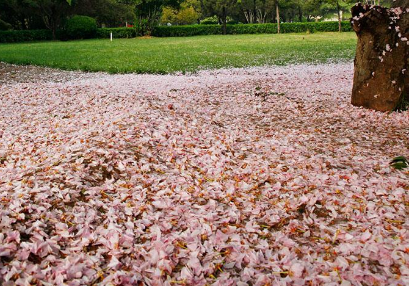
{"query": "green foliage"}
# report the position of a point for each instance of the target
(15, 36)
(257, 11)
(148, 13)
(111, 13)
(186, 16)
(220, 8)
(194, 30)
(4, 25)
(186, 31)
(329, 8)
(183, 16)
(104, 33)
(329, 26)
(399, 163)
(210, 21)
(168, 15)
(81, 27)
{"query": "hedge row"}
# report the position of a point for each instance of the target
(195, 30)
(116, 33)
(13, 36)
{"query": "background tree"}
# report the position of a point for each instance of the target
(256, 11)
(148, 13)
(291, 11)
(221, 8)
(312, 10)
(53, 12)
(32, 14)
(248, 8)
(189, 12)
(338, 7)
(111, 13)
(20, 14)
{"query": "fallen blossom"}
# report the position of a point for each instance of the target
(253, 176)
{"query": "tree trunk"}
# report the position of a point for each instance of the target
(223, 20)
(254, 9)
(338, 16)
(277, 16)
(381, 76)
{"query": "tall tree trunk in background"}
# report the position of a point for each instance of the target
(381, 66)
(254, 9)
(277, 15)
(338, 16)
(223, 20)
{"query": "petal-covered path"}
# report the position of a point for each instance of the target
(258, 176)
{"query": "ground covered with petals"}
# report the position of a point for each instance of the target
(258, 176)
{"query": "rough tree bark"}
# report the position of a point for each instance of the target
(381, 76)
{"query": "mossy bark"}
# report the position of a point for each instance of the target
(381, 76)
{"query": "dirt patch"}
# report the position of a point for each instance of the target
(12, 74)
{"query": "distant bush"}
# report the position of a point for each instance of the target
(186, 31)
(233, 22)
(14, 36)
(104, 33)
(182, 16)
(210, 21)
(330, 26)
(195, 30)
(81, 27)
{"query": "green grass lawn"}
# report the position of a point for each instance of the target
(165, 55)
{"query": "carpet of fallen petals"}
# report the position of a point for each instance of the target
(257, 176)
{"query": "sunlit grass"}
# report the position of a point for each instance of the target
(165, 55)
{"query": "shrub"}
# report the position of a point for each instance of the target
(186, 31)
(194, 30)
(81, 27)
(104, 33)
(251, 29)
(186, 16)
(332, 26)
(14, 36)
(168, 15)
(210, 21)
(232, 22)
(183, 16)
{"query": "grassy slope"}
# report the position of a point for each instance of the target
(164, 55)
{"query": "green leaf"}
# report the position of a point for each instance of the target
(69, 2)
(399, 163)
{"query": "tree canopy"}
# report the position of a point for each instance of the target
(52, 14)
